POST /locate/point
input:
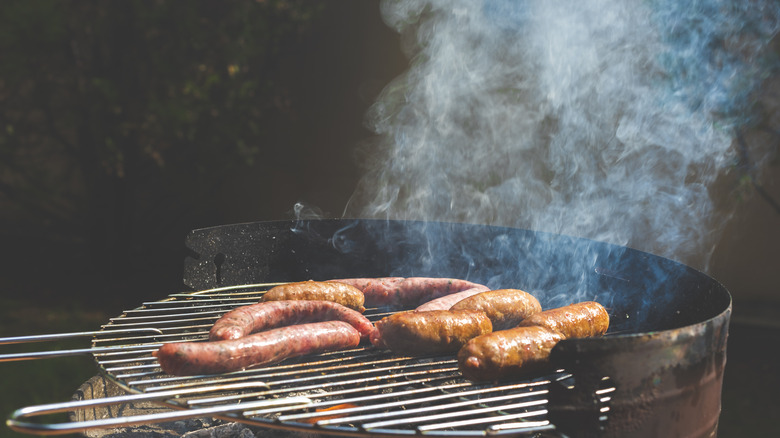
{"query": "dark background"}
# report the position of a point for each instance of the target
(126, 125)
(123, 125)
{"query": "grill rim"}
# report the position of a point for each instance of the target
(693, 277)
(327, 428)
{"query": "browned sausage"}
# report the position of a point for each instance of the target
(432, 332)
(447, 301)
(506, 353)
(264, 348)
(406, 293)
(341, 293)
(505, 307)
(253, 318)
(579, 320)
(526, 348)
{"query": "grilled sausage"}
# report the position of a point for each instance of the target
(406, 293)
(264, 348)
(341, 293)
(506, 353)
(505, 307)
(253, 318)
(378, 292)
(579, 320)
(526, 348)
(432, 332)
(446, 302)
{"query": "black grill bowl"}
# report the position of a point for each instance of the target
(664, 353)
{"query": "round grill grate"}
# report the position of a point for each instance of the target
(363, 391)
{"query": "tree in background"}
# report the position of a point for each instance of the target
(118, 119)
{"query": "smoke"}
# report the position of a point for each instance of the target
(598, 119)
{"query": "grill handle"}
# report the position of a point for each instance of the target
(17, 420)
(11, 357)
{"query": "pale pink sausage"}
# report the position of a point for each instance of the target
(447, 301)
(265, 315)
(264, 348)
(406, 293)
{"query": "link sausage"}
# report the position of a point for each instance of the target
(526, 348)
(507, 353)
(406, 293)
(579, 320)
(253, 318)
(505, 307)
(432, 332)
(264, 348)
(446, 302)
(382, 291)
(344, 294)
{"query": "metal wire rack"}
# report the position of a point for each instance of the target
(359, 392)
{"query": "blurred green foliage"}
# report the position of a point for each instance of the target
(120, 118)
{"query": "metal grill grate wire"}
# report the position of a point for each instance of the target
(362, 391)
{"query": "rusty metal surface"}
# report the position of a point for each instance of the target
(667, 383)
(203, 427)
(100, 387)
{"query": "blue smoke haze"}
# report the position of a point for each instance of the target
(597, 119)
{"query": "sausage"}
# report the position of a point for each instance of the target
(378, 292)
(446, 302)
(253, 318)
(526, 348)
(579, 320)
(505, 307)
(341, 293)
(406, 293)
(432, 332)
(264, 348)
(507, 353)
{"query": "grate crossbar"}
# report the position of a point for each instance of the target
(354, 392)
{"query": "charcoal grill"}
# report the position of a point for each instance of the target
(657, 372)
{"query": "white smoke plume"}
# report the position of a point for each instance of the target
(598, 119)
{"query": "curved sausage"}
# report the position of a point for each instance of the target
(264, 348)
(432, 332)
(446, 302)
(579, 320)
(265, 315)
(507, 353)
(344, 294)
(406, 293)
(505, 307)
